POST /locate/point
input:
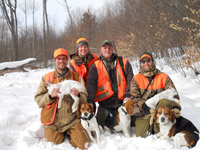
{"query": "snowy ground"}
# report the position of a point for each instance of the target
(20, 126)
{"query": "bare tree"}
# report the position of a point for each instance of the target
(9, 9)
(45, 31)
(65, 4)
(34, 8)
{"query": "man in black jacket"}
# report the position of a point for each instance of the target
(109, 84)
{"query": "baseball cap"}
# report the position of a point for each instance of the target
(146, 54)
(60, 51)
(107, 42)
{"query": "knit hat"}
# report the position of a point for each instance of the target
(146, 54)
(60, 51)
(82, 41)
(107, 42)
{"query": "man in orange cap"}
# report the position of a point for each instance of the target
(144, 85)
(59, 122)
(82, 60)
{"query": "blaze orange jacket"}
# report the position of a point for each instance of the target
(81, 69)
(48, 113)
(104, 88)
(158, 81)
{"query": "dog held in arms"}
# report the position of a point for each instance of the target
(180, 130)
(88, 121)
(65, 87)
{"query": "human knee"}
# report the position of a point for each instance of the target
(53, 136)
(55, 140)
(79, 137)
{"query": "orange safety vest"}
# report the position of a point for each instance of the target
(48, 113)
(158, 81)
(104, 88)
(81, 69)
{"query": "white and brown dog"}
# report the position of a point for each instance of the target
(124, 118)
(180, 130)
(88, 121)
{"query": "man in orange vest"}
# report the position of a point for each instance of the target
(59, 122)
(82, 60)
(108, 84)
(144, 85)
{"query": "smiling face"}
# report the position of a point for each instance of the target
(107, 51)
(146, 63)
(61, 63)
(83, 50)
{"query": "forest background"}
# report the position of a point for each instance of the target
(168, 28)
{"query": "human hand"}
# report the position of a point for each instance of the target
(177, 112)
(55, 93)
(74, 92)
(126, 99)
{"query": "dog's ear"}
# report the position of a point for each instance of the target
(172, 116)
(78, 112)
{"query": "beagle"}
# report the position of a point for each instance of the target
(180, 130)
(124, 118)
(88, 121)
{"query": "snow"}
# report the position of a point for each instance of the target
(20, 126)
(15, 63)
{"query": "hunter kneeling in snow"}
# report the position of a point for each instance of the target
(151, 89)
(62, 121)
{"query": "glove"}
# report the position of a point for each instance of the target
(153, 112)
(145, 109)
(177, 112)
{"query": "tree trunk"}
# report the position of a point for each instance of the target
(10, 14)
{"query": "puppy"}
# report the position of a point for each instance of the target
(88, 121)
(65, 87)
(180, 130)
(124, 117)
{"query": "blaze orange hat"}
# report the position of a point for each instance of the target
(146, 54)
(60, 51)
(81, 41)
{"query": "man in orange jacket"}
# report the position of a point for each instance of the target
(108, 84)
(82, 60)
(144, 85)
(59, 122)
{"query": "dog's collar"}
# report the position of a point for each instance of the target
(86, 119)
(90, 117)
(124, 111)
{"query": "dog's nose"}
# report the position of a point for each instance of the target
(162, 119)
(85, 114)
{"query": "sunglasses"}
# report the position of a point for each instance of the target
(143, 61)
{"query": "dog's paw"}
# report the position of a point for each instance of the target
(158, 135)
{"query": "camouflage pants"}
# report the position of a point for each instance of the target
(142, 124)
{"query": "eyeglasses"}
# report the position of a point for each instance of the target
(143, 61)
(61, 58)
